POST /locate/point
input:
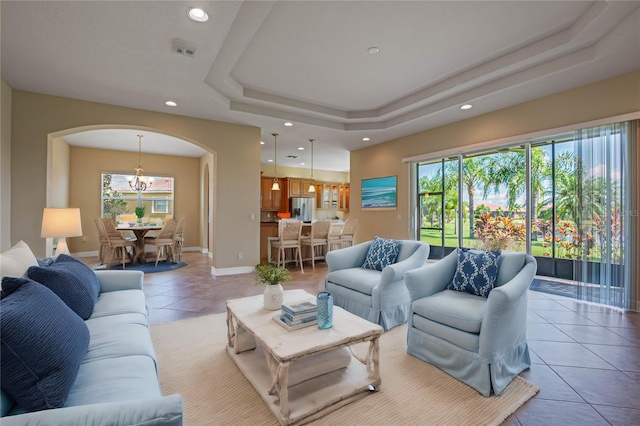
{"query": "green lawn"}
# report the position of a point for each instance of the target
(434, 238)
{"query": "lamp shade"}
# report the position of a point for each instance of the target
(61, 223)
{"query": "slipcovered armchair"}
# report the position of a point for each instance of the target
(379, 296)
(481, 341)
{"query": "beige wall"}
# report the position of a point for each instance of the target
(59, 174)
(36, 119)
(5, 166)
(609, 98)
(85, 188)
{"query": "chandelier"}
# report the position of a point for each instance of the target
(139, 182)
(276, 185)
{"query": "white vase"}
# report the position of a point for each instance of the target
(273, 295)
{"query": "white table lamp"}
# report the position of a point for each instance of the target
(60, 224)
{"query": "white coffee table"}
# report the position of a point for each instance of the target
(248, 320)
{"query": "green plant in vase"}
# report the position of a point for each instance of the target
(273, 276)
(140, 213)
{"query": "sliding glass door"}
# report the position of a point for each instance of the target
(564, 199)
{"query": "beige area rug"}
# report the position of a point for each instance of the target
(194, 363)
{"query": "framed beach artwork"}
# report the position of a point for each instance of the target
(380, 193)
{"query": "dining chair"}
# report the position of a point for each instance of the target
(346, 239)
(318, 239)
(117, 244)
(165, 240)
(112, 230)
(289, 231)
(179, 240)
(104, 240)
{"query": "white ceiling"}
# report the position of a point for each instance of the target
(262, 63)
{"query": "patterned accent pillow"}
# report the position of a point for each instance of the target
(73, 281)
(382, 252)
(476, 272)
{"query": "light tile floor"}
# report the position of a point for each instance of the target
(586, 358)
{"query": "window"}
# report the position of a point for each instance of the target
(160, 206)
(119, 201)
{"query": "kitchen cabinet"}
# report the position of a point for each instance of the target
(328, 196)
(269, 200)
(300, 188)
(319, 191)
(343, 197)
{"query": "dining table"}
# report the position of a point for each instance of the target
(139, 230)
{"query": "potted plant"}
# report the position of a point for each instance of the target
(140, 213)
(272, 276)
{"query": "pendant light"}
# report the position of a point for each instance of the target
(139, 182)
(276, 185)
(312, 188)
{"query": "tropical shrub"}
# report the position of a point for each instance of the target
(498, 232)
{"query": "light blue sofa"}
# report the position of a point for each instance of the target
(377, 296)
(480, 341)
(117, 383)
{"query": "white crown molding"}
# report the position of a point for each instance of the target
(554, 52)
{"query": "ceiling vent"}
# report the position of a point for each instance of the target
(184, 48)
(293, 157)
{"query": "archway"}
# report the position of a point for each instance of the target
(73, 184)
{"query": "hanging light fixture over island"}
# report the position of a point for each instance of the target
(312, 188)
(276, 185)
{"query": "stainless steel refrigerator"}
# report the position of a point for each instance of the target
(301, 208)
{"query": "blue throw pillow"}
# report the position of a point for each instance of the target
(73, 281)
(382, 252)
(43, 344)
(476, 272)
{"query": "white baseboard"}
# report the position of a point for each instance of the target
(85, 254)
(231, 271)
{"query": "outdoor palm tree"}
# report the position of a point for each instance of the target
(509, 169)
(474, 176)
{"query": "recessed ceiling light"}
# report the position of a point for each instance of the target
(288, 124)
(366, 139)
(198, 15)
(270, 161)
(171, 103)
(302, 164)
(261, 142)
(373, 50)
(301, 148)
(467, 106)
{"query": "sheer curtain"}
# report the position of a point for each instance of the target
(605, 271)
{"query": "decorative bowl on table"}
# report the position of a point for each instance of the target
(131, 224)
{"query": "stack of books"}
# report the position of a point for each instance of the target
(298, 315)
